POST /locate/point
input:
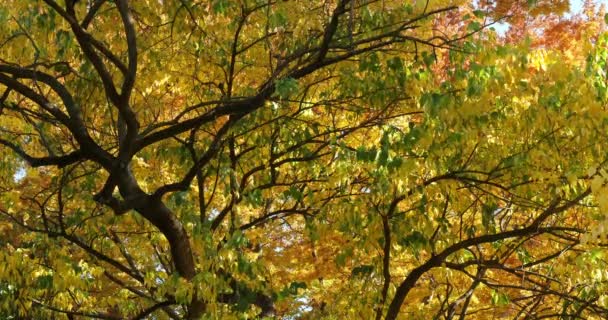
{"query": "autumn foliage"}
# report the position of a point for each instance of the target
(238, 159)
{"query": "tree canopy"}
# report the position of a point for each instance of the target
(317, 159)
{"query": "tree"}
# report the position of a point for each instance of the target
(338, 159)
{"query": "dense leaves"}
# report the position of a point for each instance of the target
(301, 159)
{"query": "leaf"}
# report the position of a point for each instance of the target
(221, 6)
(362, 271)
(251, 159)
(45, 281)
(278, 19)
(255, 197)
(474, 26)
(428, 59)
(415, 241)
(500, 299)
(286, 87)
(293, 193)
(487, 216)
(293, 288)
(479, 13)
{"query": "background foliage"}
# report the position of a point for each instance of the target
(302, 159)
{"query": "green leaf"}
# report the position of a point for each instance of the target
(382, 157)
(394, 163)
(434, 102)
(291, 290)
(220, 6)
(370, 62)
(366, 155)
(286, 87)
(278, 19)
(63, 40)
(45, 281)
(474, 26)
(244, 266)
(255, 198)
(238, 240)
(408, 8)
(487, 216)
(428, 59)
(474, 87)
(479, 13)
(179, 198)
(294, 193)
(415, 241)
(395, 64)
(523, 255)
(499, 298)
(246, 297)
(362, 271)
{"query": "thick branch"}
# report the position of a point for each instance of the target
(436, 261)
(386, 259)
(89, 148)
(212, 150)
(127, 86)
(330, 29)
(148, 311)
(60, 161)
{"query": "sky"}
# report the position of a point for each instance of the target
(576, 5)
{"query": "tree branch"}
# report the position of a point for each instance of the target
(59, 161)
(436, 261)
